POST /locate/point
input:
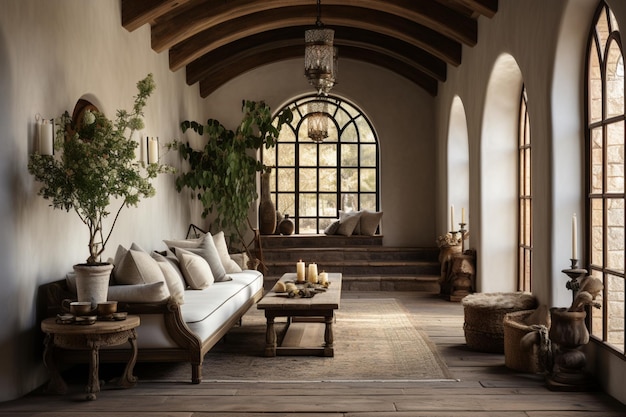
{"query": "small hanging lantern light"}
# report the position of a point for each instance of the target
(317, 120)
(320, 55)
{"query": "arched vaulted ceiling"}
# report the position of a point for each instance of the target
(217, 40)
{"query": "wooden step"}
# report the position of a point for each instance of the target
(363, 261)
(423, 283)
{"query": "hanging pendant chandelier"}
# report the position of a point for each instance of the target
(320, 55)
(317, 120)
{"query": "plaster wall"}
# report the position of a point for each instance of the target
(51, 54)
(401, 114)
(548, 44)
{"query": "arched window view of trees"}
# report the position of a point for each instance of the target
(312, 181)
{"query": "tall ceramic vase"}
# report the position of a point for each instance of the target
(92, 282)
(267, 210)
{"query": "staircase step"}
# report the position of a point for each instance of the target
(365, 263)
(422, 283)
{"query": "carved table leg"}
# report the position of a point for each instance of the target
(56, 385)
(270, 337)
(93, 386)
(328, 336)
(128, 380)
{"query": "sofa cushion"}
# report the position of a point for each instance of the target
(195, 269)
(229, 265)
(184, 243)
(154, 292)
(135, 266)
(173, 277)
(207, 310)
(332, 228)
(209, 252)
(348, 221)
(368, 222)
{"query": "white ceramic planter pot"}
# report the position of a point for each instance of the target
(92, 282)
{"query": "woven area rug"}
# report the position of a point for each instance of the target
(374, 341)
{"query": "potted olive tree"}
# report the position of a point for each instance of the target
(223, 174)
(94, 163)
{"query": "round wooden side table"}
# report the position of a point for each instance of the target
(92, 337)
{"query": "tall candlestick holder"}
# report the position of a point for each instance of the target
(574, 272)
(462, 231)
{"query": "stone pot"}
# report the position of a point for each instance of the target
(92, 282)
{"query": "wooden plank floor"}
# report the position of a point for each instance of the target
(484, 388)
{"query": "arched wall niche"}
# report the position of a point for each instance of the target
(458, 161)
(498, 147)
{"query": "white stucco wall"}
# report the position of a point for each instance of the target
(51, 54)
(547, 40)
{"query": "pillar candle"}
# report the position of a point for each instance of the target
(153, 150)
(313, 273)
(300, 270)
(323, 277)
(46, 137)
(574, 237)
(451, 217)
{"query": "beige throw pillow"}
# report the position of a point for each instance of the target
(229, 265)
(173, 278)
(348, 222)
(184, 243)
(369, 222)
(210, 254)
(136, 267)
(195, 269)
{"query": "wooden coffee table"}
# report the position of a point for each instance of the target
(304, 315)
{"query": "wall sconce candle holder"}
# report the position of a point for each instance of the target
(45, 135)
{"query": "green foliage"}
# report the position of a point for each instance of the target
(222, 175)
(97, 163)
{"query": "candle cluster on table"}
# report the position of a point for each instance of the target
(310, 274)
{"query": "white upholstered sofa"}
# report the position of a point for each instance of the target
(185, 310)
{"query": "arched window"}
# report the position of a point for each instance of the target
(311, 181)
(525, 197)
(606, 196)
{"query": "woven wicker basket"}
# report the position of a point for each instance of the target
(484, 317)
(514, 356)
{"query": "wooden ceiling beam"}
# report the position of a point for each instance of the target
(226, 70)
(487, 8)
(365, 40)
(388, 25)
(135, 13)
(201, 15)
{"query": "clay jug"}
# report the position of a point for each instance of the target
(286, 226)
